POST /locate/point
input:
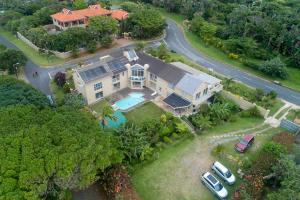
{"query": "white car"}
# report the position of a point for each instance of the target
(214, 185)
(223, 172)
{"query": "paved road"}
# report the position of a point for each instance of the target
(41, 82)
(177, 42)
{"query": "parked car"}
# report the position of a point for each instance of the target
(223, 172)
(214, 185)
(244, 143)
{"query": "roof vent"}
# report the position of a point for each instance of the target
(105, 58)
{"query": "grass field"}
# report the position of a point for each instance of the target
(145, 112)
(239, 124)
(175, 174)
(293, 80)
(30, 52)
(58, 93)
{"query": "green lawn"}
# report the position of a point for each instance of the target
(97, 107)
(293, 80)
(164, 178)
(234, 163)
(28, 51)
(58, 93)
(276, 106)
(175, 174)
(239, 124)
(147, 111)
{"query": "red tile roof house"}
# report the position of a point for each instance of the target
(79, 18)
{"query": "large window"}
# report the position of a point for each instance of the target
(97, 86)
(137, 72)
(99, 95)
(205, 91)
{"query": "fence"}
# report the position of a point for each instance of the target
(289, 126)
(244, 104)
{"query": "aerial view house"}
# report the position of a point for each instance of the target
(79, 18)
(178, 88)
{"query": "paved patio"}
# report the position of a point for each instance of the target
(125, 92)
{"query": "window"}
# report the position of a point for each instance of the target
(116, 78)
(205, 91)
(117, 86)
(153, 77)
(97, 86)
(198, 95)
(137, 72)
(99, 95)
(123, 73)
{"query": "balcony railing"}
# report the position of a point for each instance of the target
(114, 80)
(137, 78)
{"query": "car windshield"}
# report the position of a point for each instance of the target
(218, 187)
(228, 174)
(242, 141)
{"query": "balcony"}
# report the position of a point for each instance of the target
(115, 80)
(137, 78)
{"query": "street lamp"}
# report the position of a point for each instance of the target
(16, 68)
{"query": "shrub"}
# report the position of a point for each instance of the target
(167, 140)
(253, 112)
(140, 46)
(233, 56)
(175, 136)
(67, 87)
(249, 63)
(60, 79)
(218, 150)
(274, 148)
(91, 46)
(274, 67)
(74, 100)
(272, 94)
(285, 139)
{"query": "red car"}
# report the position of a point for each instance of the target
(244, 143)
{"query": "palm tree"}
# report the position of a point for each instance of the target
(107, 112)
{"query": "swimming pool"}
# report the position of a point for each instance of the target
(131, 100)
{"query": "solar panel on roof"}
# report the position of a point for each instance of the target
(212, 179)
(92, 73)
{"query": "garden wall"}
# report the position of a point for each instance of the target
(62, 55)
(244, 104)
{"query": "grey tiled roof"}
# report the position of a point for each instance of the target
(163, 70)
(189, 83)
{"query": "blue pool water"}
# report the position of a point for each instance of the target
(120, 119)
(133, 99)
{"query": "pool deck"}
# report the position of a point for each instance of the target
(125, 92)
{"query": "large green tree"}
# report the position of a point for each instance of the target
(13, 91)
(46, 153)
(145, 23)
(12, 60)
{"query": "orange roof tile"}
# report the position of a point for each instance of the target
(119, 14)
(67, 15)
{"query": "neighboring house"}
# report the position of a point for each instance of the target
(179, 88)
(79, 18)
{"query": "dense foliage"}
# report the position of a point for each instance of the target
(144, 23)
(11, 60)
(101, 29)
(256, 29)
(46, 153)
(13, 91)
(140, 142)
